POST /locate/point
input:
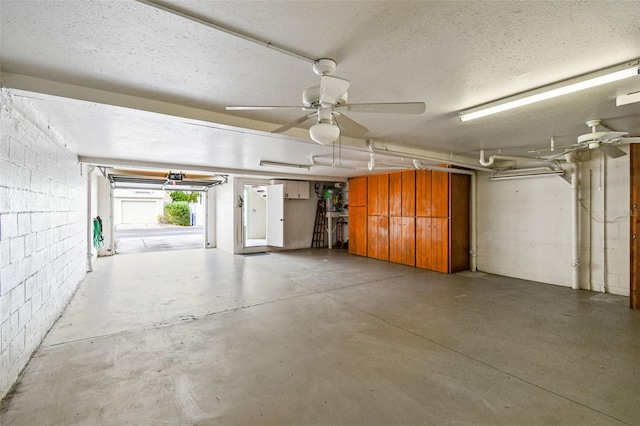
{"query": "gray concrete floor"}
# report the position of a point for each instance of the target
(141, 238)
(202, 337)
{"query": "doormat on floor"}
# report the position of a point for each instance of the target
(262, 253)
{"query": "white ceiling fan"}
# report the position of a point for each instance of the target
(328, 103)
(604, 142)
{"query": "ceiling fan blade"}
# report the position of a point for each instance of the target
(612, 136)
(632, 139)
(332, 88)
(350, 124)
(265, 107)
(611, 150)
(294, 123)
(389, 108)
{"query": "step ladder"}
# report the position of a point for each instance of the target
(319, 229)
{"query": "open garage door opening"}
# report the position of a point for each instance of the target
(157, 210)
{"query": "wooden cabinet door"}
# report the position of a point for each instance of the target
(395, 239)
(439, 194)
(408, 241)
(440, 244)
(432, 244)
(378, 237)
(378, 195)
(358, 230)
(423, 193)
(432, 193)
(358, 191)
(372, 195)
(383, 195)
(408, 199)
(395, 194)
(402, 240)
(423, 238)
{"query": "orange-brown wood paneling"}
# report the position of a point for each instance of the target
(372, 195)
(408, 240)
(459, 225)
(423, 193)
(432, 243)
(358, 230)
(408, 198)
(402, 240)
(440, 194)
(358, 191)
(395, 194)
(395, 239)
(383, 195)
(378, 237)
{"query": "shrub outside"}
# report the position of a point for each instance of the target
(177, 213)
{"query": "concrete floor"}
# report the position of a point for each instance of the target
(202, 337)
(139, 238)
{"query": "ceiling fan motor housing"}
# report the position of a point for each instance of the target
(311, 97)
(324, 66)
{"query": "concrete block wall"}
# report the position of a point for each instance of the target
(605, 224)
(524, 227)
(43, 231)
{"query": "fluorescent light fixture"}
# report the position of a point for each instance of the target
(525, 173)
(554, 90)
(627, 99)
(264, 163)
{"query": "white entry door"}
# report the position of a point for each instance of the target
(275, 215)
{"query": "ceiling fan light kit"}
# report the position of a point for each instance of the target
(324, 133)
(576, 84)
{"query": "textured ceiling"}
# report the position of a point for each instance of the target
(113, 66)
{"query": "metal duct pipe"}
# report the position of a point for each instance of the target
(491, 160)
(575, 222)
(474, 209)
(395, 153)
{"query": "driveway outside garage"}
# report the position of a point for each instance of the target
(141, 238)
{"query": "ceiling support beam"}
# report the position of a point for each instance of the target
(32, 87)
(120, 163)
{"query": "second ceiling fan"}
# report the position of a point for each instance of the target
(327, 103)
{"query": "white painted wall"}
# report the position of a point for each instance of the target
(105, 211)
(43, 232)
(225, 217)
(209, 218)
(524, 227)
(605, 224)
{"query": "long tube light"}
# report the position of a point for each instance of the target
(554, 90)
(265, 163)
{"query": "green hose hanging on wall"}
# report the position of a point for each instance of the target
(98, 241)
